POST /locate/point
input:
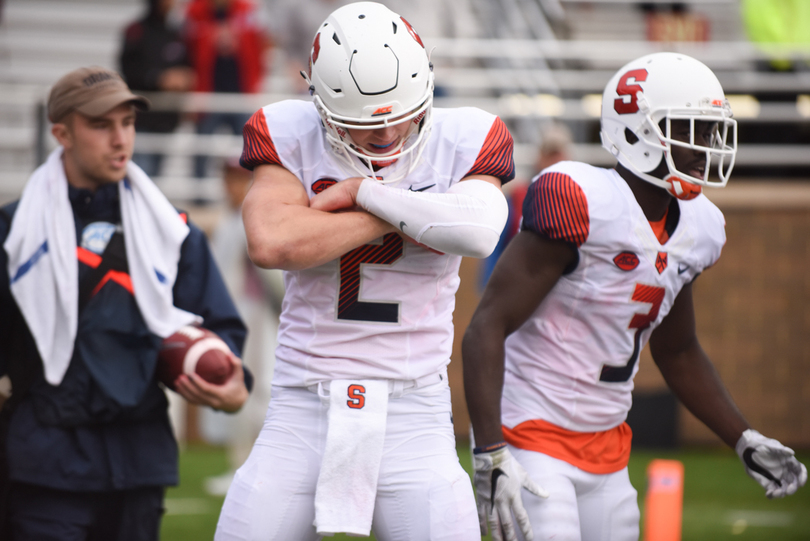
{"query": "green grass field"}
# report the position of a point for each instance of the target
(720, 501)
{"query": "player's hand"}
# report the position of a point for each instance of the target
(771, 464)
(228, 397)
(498, 479)
(339, 196)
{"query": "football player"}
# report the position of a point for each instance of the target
(604, 263)
(367, 197)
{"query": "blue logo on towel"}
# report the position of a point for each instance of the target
(25, 267)
(96, 236)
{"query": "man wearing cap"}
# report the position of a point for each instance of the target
(96, 268)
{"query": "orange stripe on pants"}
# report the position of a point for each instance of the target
(663, 504)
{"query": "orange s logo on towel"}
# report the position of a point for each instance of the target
(356, 397)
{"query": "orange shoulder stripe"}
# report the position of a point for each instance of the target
(496, 155)
(556, 208)
(258, 145)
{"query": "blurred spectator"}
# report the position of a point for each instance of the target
(781, 30)
(227, 43)
(784, 23)
(438, 18)
(555, 146)
(257, 294)
(673, 21)
(452, 19)
(292, 27)
(293, 21)
(154, 59)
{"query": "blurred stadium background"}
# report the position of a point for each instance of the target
(533, 62)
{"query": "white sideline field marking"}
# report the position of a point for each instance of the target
(187, 506)
(740, 520)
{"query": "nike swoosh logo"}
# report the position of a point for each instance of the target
(410, 189)
(682, 269)
(753, 466)
(497, 472)
(402, 226)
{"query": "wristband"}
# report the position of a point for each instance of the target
(489, 448)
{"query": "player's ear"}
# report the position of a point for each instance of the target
(63, 134)
(63, 130)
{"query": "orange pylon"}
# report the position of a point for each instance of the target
(663, 503)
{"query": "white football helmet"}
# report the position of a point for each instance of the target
(369, 69)
(667, 86)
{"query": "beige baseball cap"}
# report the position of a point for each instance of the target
(92, 91)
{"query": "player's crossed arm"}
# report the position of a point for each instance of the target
(465, 220)
(284, 232)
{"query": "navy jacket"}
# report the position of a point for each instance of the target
(106, 426)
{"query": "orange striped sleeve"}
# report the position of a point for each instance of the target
(556, 208)
(258, 148)
(496, 157)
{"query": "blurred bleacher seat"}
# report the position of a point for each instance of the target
(534, 60)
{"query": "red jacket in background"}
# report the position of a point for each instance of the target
(201, 30)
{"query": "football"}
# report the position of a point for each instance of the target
(194, 350)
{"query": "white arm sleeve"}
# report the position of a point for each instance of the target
(466, 220)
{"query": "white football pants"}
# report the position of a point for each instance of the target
(423, 493)
(581, 506)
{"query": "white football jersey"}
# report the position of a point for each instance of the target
(572, 363)
(383, 310)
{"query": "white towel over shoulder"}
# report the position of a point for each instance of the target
(44, 271)
(347, 484)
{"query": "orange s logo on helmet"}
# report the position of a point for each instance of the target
(681, 189)
(626, 88)
(412, 32)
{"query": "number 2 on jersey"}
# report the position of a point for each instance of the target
(642, 293)
(350, 307)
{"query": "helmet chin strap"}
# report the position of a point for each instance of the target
(374, 163)
(682, 189)
(671, 182)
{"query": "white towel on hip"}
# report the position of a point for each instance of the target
(347, 484)
(44, 270)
